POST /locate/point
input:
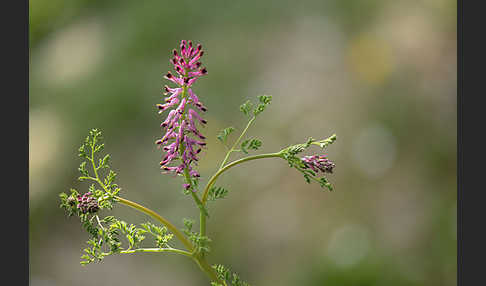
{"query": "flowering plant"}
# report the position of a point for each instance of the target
(181, 144)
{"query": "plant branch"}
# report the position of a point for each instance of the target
(203, 264)
(201, 261)
(173, 250)
(230, 165)
(237, 142)
(159, 218)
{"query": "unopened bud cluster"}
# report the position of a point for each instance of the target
(318, 163)
(87, 203)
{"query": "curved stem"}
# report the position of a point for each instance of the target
(201, 261)
(173, 250)
(202, 217)
(232, 164)
(203, 264)
(158, 217)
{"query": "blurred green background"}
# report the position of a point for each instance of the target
(380, 74)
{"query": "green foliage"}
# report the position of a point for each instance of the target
(82, 169)
(217, 193)
(264, 101)
(105, 237)
(162, 237)
(246, 108)
(325, 142)
(201, 242)
(104, 241)
(69, 202)
(223, 134)
(222, 272)
(105, 233)
(133, 234)
(91, 146)
(225, 274)
(324, 183)
(92, 253)
(252, 144)
(188, 223)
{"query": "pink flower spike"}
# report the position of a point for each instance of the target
(179, 125)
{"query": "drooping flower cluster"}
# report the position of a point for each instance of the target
(181, 121)
(318, 163)
(87, 203)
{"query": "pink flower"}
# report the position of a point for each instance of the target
(179, 147)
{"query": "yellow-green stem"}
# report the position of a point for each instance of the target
(232, 164)
(236, 142)
(162, 220)
(173, 250)
(200, 261)
(204, 265)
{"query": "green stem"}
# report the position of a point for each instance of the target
(158, 217)
(202, 224)
(97, 177)
(237, 142)
(87, 178)
(141, 208)
(230, 165)
(202, 217)
(173, 250)
(204, 266)
(201, 261)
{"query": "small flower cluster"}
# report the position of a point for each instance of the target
(317, 163)
(181, 122)
(87, 203)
